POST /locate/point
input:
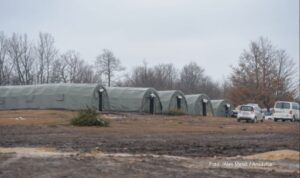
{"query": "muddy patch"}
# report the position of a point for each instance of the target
(283, 164)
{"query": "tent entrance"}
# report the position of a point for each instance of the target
(226, 110)
(179, 102)
(152, 100)
(100, 93)
(204, 102)
(204, 112)
(152, 105)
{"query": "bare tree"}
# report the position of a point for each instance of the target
(165, 76)
(264, 75)
(20, 52)
(107, 64)
(190, 78)
(56, 72)
(70, 68)
(46, 53)
(141, 76)
(5, 64)
(86, 74)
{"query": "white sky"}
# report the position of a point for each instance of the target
(212, 33)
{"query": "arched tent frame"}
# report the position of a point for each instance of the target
(219, 107)
(128, 99)
(195, 104)
(169, 100)
(52, 96)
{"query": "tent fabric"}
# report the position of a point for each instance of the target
(298, 99)
(195, 104)
(52, 96)
(169, 100)
(128, 99)
(219, 107)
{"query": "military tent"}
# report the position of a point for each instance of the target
(199, 104)
(222, 108)
(127, 99)
(297, 99)
(54, 96)
(172, 100)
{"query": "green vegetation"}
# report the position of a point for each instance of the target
(89, 117)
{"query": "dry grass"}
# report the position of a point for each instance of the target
(136, 123)
(276, 155)
(36, 117)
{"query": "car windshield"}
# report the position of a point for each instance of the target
(246, 108)
(283, 105)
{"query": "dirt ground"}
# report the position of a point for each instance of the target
(145, 146)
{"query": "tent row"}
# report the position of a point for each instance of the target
(113, 99)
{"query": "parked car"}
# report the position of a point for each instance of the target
(234, 112)
(250, 113)
(285, 110)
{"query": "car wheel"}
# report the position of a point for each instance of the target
(238, 120)
(275, 120)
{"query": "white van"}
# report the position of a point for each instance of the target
(285, 110)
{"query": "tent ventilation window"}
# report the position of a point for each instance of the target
(60, 97)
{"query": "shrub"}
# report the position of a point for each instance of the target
(89, 117)
(176, 112)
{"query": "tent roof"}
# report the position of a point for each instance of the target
(46, 96)
(193, 101)
(129, 98)
(218, 106)
(126, 92)
(49, 89)
(217, 103)
(166, 96)
(194, 97)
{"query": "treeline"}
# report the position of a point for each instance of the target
(24, 62)
(191, 79)
(263, 75)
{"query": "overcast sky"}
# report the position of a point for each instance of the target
(212, 33)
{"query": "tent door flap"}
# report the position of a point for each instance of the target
(204, 113)
(178, 103)
(100, 101)
(152, 105)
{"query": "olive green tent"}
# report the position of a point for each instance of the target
(54, 96)
(199, 104)
(127, 99)
(222, 108)
(172, 100)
